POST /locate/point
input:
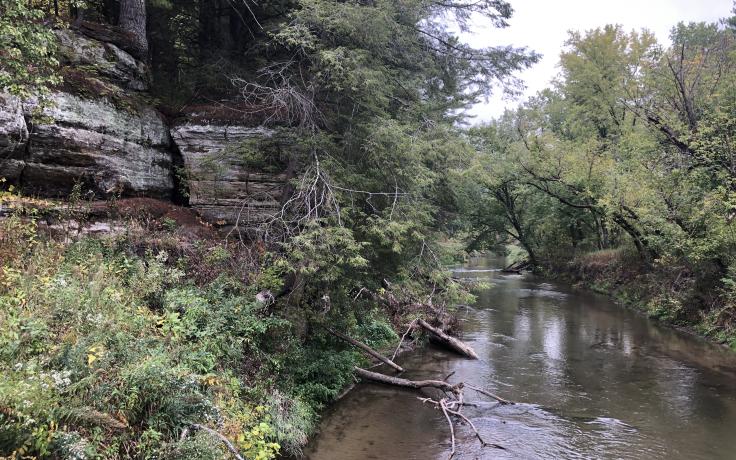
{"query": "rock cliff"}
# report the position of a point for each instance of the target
(223, 187)
(98, 128)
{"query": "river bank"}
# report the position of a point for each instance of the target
(161, 337)
(669, 294)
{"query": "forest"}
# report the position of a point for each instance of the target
(184, 335)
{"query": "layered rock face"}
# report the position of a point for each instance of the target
(223, 187)
(106, 59)
(103, 136)
(110, 150)
(99, 130)
(13, 138)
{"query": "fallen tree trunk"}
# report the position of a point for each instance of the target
(449, 341)
(405, 383)
(516, 267)
(366, 349)
(515, 271)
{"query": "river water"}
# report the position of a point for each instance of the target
(594, 381)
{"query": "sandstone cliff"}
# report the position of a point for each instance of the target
(101, 129)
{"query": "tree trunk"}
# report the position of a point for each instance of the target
(133, 21)
(449, 341)
(366, 348)
(413, 384)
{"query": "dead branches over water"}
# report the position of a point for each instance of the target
(451, 404)
(453, 400)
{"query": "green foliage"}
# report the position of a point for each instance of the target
(27, 46)
(320, 373)
(365, 95)
(631, 152)
(108, 354)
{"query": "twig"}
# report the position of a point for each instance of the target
(398, 347)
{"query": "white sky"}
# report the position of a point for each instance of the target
(542, 26)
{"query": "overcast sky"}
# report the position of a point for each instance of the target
(542, 25)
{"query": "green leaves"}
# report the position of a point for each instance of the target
(27, 45)
(631, 152)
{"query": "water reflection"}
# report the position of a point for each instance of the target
(597, 381)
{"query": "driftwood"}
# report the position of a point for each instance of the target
(451, 405)
(366, 349)
(442, 385)
(453, 401)
(449, 341)
(447, 407)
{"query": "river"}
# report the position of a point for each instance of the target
(594, 381)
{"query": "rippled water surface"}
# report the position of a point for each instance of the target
(595, 381)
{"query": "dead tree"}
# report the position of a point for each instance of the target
(450, 405)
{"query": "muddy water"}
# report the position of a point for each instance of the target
(596, 382)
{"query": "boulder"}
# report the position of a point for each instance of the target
(224, 187)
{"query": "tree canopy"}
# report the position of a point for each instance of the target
(631, 148)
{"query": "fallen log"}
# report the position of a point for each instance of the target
(516, 267)
(406, 383)
(511, 270)
(366, 349)
(449, 341)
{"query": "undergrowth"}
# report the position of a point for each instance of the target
(110, 349)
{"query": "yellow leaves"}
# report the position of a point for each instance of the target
(209, 380)
(94, 354)
(250, 428)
